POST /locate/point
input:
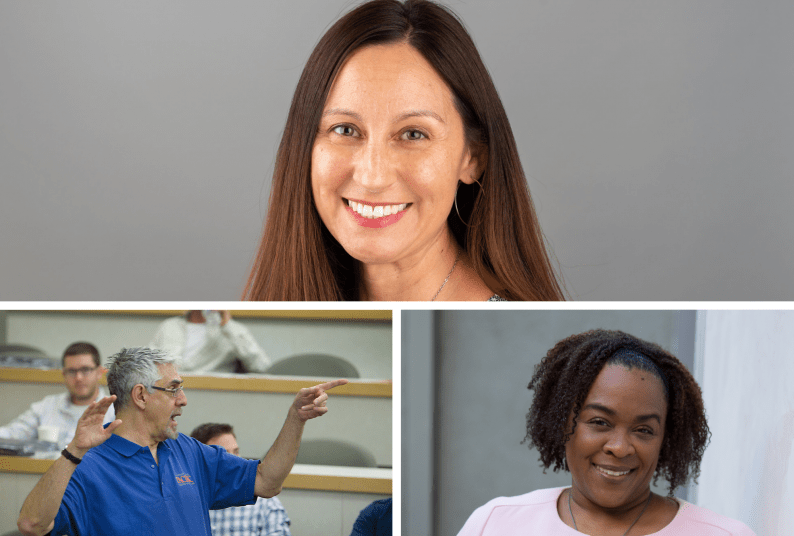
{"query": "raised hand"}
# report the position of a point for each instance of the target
(90, 432)
(310, 401)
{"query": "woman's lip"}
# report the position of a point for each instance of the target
(381, 214)
(376, 223)
(371, 203)
(605, 475)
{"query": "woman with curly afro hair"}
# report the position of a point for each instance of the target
(615, 411)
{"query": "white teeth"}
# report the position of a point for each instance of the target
(372, 212)
(612, 473)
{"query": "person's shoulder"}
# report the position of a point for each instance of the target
(537, 497)
(233, 325)
(692, 513)
(52, 401)
(173, 322)
(95, 462)
(191, 444)
(377, 509)
(187, 443)
(504, 513)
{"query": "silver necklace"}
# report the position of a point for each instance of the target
(627, 530)
(457, 256)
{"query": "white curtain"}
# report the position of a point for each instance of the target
(745, 363)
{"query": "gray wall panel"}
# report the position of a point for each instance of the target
(137, 141)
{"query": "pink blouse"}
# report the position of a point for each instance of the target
(536, 513)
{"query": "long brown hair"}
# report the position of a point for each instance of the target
(298, 259)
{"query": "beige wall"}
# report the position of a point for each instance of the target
(365, 344)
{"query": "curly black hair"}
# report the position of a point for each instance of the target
(563, 378)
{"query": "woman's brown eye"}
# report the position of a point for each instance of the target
(344, 130)
(413, 135)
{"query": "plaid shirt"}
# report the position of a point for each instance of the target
(266, 517)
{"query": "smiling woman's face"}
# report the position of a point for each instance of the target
(614, 450)
(388, 155)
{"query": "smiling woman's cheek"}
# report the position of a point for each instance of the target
(387, 157)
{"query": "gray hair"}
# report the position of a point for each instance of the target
(132, 366)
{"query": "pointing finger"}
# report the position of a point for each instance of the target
(330, 385)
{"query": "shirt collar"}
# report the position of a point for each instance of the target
(127, 448)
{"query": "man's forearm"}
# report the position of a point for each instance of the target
(278, 461)
(42, 504)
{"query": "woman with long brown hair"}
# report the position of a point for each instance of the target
(398, 177)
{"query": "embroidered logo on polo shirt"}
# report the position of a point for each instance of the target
(184, 479)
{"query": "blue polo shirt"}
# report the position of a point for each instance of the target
(119, 489)
(374, 520)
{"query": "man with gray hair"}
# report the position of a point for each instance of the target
(138, 475)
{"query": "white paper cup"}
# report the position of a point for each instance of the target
(48, 433)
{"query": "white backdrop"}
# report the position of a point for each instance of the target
(746, 364)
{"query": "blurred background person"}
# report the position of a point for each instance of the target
(374, 520)
(266, 517)
(210, 341)
(81, 370)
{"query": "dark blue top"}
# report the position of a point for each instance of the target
(374, 520)
(119, 489)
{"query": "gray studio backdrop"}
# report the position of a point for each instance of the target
(137, 141)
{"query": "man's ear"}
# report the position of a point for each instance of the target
(138, 395)
(474, 164)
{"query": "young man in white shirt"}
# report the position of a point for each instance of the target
(81, 370)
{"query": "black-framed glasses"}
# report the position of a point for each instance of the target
(173, 392)
(85, 371)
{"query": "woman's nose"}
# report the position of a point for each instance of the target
(619, 444)
(374, 168)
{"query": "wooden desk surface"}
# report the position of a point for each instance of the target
(223, 382)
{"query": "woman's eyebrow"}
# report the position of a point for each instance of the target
(401, 117)
(420, 113)
(343, 111)
(599, 407)
(612, 412)
(648, 417)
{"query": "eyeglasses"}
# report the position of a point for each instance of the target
(85, 371)
(173, 392)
